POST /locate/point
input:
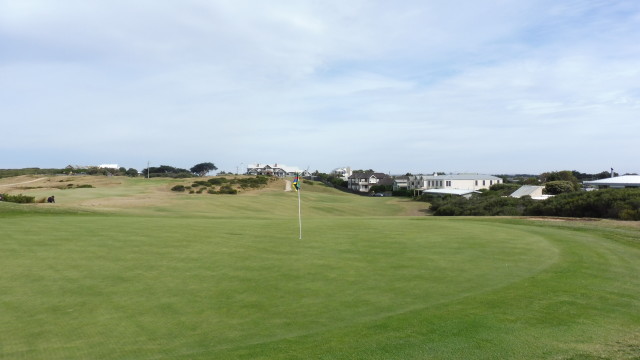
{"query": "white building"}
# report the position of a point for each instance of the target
(533, 191)
(278, 170)
(343, 172)
(458, 192)
(457, 181)
(528, 190)
(618, 182)
(108, 166)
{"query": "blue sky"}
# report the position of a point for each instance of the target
(414, 86)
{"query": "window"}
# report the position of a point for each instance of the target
(448, 182)
(483, 182)
(476, 182)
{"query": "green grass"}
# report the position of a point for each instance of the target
(226, 277)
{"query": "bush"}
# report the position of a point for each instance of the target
(178, 188)
(217, 181)
(201, 183)
(227, 189)
(607, 203)
(621, 204)
(401, 192)
(559, 187)
(501, 189)
(20, 199)
(480, 206)
(256, 182)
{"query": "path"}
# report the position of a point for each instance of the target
(25, 182)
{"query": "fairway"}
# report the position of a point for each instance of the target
(130, 270)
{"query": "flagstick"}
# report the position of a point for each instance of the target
(299, 214)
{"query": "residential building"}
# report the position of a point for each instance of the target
(458, 192)
(278, 170)
(400, 183)
(533, 191)
(618, 182)
(362, 182)
(452, 181)
(528, 190)
(343, 173)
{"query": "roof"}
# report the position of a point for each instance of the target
(619, 181)
(366, 175)
(387, 180)
(527, 190)
(541, 197)
(460, 177)
(450, 191)
(288, 169)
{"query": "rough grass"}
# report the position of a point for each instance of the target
(130, 271)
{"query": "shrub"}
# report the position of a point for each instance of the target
(501, 189)
(607, 203)
(20, 199)
(558, 187)
(401, 192)
(178, 188)
(256, 182)
(629, 214)
(217, 181)
(227, 189)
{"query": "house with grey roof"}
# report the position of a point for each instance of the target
(363, 181)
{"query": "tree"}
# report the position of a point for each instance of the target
(560, 176)
(564, 175)
(167, 171)
(362, 171)
(203, 168)
(558, 187)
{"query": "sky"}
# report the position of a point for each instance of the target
(472, 86)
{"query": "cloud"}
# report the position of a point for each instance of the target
(411, 86)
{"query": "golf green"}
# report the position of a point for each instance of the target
(181, 285)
